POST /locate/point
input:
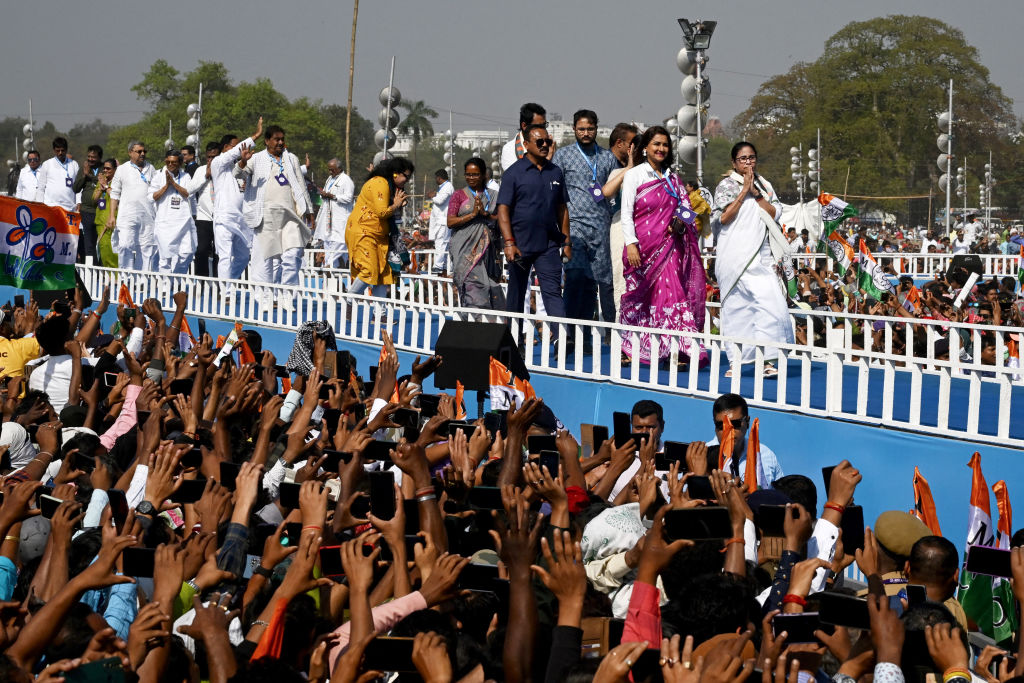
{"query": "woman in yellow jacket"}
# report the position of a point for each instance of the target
(369, 226)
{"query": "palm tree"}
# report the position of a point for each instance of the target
(416, 122)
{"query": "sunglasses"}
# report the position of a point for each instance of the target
(543, 142)
(742, 422)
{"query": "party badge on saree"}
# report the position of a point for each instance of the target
(596, 193)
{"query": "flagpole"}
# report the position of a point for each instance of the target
(949, 155)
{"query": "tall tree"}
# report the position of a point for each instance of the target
(417, 123)
(875, 93)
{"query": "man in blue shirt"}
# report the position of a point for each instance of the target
(534, 222)
(586, 166)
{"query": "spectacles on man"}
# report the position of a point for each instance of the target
(746, 160)
(543, 142)
(590, 129)
(742, 422)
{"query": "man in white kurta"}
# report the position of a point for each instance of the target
(57, 177)
(28, 178)
(277, 209)
(232, 237)
(338, 194)
(132, 211)
(173, 225)
(439, 232)
(753, 305)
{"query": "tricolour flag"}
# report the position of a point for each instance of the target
(911, 300)
(185, 339)
(833, 212)
(39, 246)
(753, 449)
(226, 345)
(871, 278)
(978, 594)
(924, 505)
(507, 389)
(838, 249)
(124, 296)
(1020, 266)
(1013, 354)
(1005, 620)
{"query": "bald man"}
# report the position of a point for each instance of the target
(338, 194)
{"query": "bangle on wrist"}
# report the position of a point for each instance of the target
(795, 599)
(426, 490)
(260, 622)
(427, 498)
(835, 506)
(192, 583)
(955, 672)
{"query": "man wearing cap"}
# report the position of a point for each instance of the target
(895, 534)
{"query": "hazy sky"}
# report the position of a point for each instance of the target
(480, 59)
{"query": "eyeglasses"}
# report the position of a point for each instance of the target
(742, 422)
(586, 130)
(543, 142)
(473, 175)
(746, 160)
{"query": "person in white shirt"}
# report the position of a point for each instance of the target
(530, 114)
(56, 178)
(132, 211)
(438, 231)
(277, 210)
(28, 179)
(961, 245)
(338, 195)
(200, 189)
(173, 226)
(231, 235)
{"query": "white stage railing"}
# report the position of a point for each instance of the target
(415, 326)
(914, 264)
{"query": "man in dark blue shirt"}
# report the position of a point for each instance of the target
(534, 222)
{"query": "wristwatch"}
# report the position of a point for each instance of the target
(145, 508)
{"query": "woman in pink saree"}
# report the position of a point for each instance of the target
(665, 281)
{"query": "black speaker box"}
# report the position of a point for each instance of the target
(961, 262)
(467, 347)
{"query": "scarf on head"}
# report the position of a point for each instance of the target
(300, 360)
(19, 447)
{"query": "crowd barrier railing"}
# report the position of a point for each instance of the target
(593, 351)
(916, 265)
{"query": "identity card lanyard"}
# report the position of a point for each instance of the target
(487, 195)
(68, 181)
(596, 193)
(280, 177)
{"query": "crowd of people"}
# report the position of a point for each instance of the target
(175, 512)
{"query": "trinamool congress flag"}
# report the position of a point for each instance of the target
(39, 245)
(505, 388)
(871, 278)
(985, 600)
(833, 212)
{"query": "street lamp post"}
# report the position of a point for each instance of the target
(796, 166)
(696, 88)
(194, 124)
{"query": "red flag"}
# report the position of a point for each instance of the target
(726, 444)
(125, 297)
(753, 448)
(460, 407)
(924, 505)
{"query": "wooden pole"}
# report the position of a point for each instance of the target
(351, 73)
(846, 186)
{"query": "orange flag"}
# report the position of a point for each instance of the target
(286, 385)
(726, 444)
(753, 448)
(1005, 524)
(460, 407)
(245, 354)
(220, 340)
(125, 297)
(353, 381)
(924, 505)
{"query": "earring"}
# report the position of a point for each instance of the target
(645, 152)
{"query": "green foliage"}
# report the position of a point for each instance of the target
(311, 127)
(875, 93)
(416, 120)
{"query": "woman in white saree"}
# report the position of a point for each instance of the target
(750, 244)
